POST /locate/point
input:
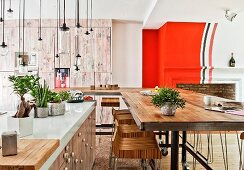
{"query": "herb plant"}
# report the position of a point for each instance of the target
(168, 96)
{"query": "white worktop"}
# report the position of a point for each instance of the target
(57, 127)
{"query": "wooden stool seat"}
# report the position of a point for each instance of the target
(110, 102)
(125, 119)
(136, 148)
(132, 131)
(120, 112)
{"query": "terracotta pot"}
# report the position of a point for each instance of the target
(168, 109)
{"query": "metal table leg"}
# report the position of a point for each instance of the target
(185, 165)
(174, 150)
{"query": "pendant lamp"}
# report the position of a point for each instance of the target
(3, 45)
(20, 60)
(23, 34)
(64, 26)
(87, 19)
(91, 17)
(10, 10)
(58, 24)
(78, 14)
(40, 23)
(78, 56)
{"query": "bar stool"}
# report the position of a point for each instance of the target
(107, 102)
(135, 144)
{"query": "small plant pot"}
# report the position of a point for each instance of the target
(56, 109)
(168, 110)
(23, 126)
(41, 112)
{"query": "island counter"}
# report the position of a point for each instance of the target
(69, 140)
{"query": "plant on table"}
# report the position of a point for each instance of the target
(168, 100)
(57, 105)
(22, 85)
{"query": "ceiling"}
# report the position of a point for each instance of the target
(153, 13)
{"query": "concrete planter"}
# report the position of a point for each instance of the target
(168, 109)
(56, 109)
(41, 112)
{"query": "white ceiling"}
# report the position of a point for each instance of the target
(134, 10)
(191, 11)
(153, 13)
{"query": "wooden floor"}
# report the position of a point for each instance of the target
(218, 163)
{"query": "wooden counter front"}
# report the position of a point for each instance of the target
(32, 154)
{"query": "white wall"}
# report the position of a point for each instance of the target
(127, 54)
(229, 38)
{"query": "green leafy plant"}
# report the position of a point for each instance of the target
(54, 97)
(59, 97)
(64, 95)
(168, 95)
(22, 85)
(42, 94)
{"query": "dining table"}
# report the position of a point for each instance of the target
(193, 117)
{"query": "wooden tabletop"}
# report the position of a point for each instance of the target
(192, 117)
(32, 154)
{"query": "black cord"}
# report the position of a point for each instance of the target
(23, 27)
(1, 18)
(64, 12)
(58, 17)
(91, 17)
(40, 22)
(78, 13)
(19, 25)
(87, 15)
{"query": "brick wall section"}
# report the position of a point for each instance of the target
(220, 90)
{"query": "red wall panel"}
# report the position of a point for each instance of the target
(150, 58)
(179, 47)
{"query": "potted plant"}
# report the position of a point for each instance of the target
(21, 86)
(168, 100)
(56, 106)
(42, 96)
(22, 122)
